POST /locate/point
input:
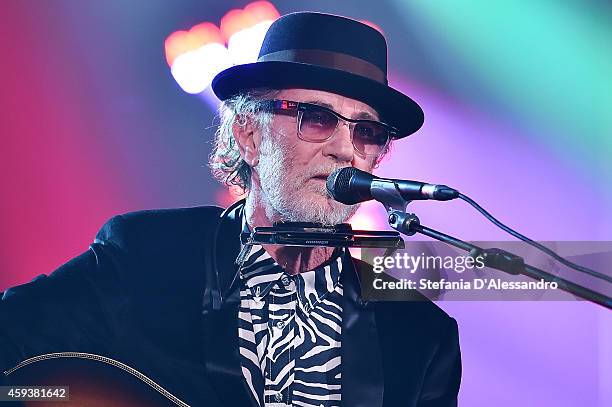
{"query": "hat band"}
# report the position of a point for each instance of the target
(328, 59)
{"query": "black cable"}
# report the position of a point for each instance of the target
(535, 244)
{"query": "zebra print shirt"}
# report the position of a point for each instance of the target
(290, 332)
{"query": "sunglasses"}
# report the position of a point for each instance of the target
(317, 124)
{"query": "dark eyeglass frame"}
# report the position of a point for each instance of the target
(296, 109)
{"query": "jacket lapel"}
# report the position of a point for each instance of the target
(362, 373)
(221, 324)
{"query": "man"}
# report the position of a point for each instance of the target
(162, 292)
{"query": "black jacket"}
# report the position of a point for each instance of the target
(158, 291)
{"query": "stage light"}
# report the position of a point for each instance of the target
(194, 70)
(238, 20)
(181, 42)
(262, 11)
(244, 45)
(234, 21)
(197, 55)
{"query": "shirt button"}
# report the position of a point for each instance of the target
(286, 281)
(278, 397)
(280, 325)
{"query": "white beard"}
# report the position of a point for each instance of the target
(293, 196)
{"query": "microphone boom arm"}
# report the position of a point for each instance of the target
(409, 224)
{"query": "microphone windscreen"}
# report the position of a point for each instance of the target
(349, 185)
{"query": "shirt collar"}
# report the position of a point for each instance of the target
(259, 271)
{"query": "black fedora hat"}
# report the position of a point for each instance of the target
(325, 52)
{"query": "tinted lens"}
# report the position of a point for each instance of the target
(370, 138)
(317, 124)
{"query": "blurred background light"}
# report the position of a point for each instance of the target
(181, 42)
(194, 70)
(244, 45)
(197, 55)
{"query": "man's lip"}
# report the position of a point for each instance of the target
(321, 176)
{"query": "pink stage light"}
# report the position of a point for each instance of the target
(197, 55)
(181, 42)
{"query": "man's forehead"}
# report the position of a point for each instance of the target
(346, 106)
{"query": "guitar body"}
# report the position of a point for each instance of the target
(93, 381)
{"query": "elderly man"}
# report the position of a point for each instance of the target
(163, 292)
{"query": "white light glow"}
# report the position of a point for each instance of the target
(194, 70)
(244, 45)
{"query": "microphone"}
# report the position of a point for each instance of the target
(350, 186)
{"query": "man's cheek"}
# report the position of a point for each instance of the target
(364, 164)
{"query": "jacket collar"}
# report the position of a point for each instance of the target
(220, 316)
(361, 358)
(362, 371)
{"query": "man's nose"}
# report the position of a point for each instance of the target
(340, 146)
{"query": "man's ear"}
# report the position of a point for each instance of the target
(248, 138)
(383, 155)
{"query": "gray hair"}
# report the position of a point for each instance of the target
(225, 162)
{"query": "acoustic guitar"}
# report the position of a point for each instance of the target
(74, 379)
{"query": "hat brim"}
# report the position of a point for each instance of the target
(394, 107)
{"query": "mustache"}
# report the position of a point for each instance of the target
(322, 169)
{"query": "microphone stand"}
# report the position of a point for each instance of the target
(409, 224)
